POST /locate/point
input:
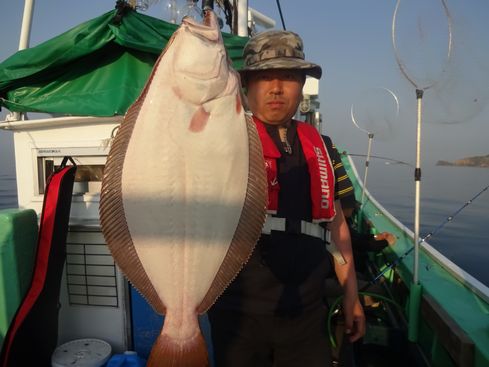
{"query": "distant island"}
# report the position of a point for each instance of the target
(478, 161)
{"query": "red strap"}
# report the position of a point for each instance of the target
(320, 171)
(270, 154)
(319, 166)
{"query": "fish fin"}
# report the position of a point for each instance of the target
(112, 216)
(170, 352)
(199, 120)
(111, 209)
(250, 223)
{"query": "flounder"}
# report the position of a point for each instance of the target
(184, 191)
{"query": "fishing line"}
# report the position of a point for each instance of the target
(429, 235)
(388, 267)
(387, 159)
(281, 16)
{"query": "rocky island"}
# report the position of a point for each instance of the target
(477, 161)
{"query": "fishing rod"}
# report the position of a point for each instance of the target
(429, 235)
(361, 291)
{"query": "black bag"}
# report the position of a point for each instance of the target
(33, 333)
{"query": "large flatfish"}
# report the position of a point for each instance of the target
(184, 192)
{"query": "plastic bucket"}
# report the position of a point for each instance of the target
(82, 353)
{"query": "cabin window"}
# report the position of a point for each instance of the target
(88, 177)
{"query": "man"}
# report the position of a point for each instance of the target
(363, 242)
(272, 314)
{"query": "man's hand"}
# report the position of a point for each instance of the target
(389, 237)
(354, 318)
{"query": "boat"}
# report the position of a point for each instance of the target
(449, 326)
(84, 85)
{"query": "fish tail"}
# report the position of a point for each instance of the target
(172, 352)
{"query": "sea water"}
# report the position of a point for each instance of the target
(8, 191)
(444, 190)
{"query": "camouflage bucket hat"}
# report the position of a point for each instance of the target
(277, 50)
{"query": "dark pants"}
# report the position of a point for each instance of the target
(243, 340)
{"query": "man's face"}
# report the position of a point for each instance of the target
(274, 95)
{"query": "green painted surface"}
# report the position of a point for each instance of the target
(18, 240)
(464, 306)
(415, 293)
(97, 68)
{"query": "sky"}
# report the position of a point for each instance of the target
(443, 52)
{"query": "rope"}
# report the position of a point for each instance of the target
(281, 16)
(380, 157)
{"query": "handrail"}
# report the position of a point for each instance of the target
(57, 121)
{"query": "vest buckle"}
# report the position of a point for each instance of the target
(293, 226)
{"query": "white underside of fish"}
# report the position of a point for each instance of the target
(184, 191)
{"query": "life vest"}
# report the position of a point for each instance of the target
(319, 166)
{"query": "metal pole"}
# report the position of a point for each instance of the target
(367, 162)
(415, 289)
(417, 180)
(260, 19)
(25, 31)
(243, 18)
(25, 35)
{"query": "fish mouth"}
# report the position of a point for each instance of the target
(208, 29)
(208, 17)
(205, 34)
(200, 69)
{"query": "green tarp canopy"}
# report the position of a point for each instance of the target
(95, 69)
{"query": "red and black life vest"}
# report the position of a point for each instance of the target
(319, 166)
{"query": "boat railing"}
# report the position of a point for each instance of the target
(456, 271)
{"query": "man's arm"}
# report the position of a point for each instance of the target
(354, 317)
